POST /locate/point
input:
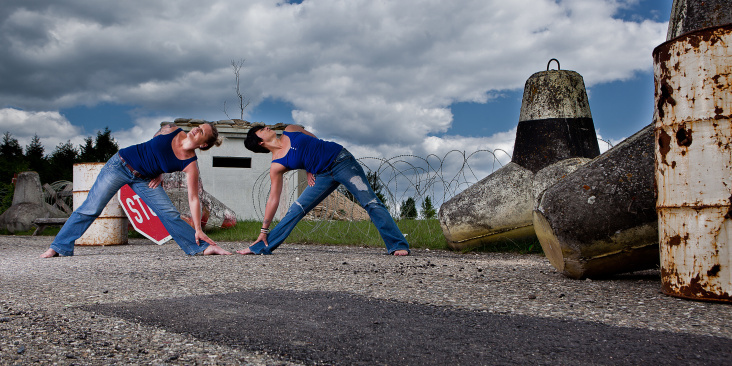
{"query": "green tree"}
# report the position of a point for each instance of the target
(104, 146)
(12, 159)
(428, 212)
(63, 159)
(86, 151)
(408, 209)
(10, 147)
(36, 159)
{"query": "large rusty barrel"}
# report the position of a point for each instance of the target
(555, 122)
(555, 135)
(693, 133)
(110, 228)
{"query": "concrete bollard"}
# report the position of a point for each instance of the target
(554, 136)
(555, 121)
(504, 212)
(28, 204)
(601, 219)
(214, 214)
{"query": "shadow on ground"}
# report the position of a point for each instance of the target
(345, 329)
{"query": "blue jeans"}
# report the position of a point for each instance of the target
(347, 171)
(113, 176)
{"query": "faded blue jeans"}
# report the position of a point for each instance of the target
(347, 171)
(113, 176)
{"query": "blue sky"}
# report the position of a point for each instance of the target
(382, 78)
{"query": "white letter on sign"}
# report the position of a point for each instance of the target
(130, 204)
(136, 197)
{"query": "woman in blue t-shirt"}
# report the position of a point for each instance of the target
(327, 165)
(141, 166)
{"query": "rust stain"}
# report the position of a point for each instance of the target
(664, 144)
(714, 271)
(674, 241)
(586, 187)
(665, 98)
(683, 136)
(696, 289)
(718, 113)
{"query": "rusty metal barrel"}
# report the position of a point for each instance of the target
(110, 228)
(555, 122)
(693, 133)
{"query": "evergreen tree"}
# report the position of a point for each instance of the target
(36, 159)
(428, 212)
(10, 147)
(86, 151)
(12, 160)
(104, 147)
(409, 209)
(62, 161)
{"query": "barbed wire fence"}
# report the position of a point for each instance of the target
(401, 177)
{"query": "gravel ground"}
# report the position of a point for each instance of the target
(42, 318)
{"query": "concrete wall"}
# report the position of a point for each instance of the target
(244, 190)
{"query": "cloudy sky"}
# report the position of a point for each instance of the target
(381, 77)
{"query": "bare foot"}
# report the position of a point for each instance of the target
(244, 251)
(400, 252)
(49, 254)
(215, 250)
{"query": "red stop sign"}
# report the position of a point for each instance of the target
(142, 218)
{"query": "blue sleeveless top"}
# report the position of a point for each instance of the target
(309, 153)
(155, 156)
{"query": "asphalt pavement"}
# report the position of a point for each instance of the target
(324, 305)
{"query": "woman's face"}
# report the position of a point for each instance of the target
(201, 134)
(266, 133)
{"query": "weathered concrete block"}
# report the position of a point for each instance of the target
(214, 214)
(499, 207)
(601, 219)
(27, 204)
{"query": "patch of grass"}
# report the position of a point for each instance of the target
(424, 234)
(48, 231)
(420, 233)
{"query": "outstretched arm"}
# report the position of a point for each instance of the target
(194, 202)
(276, 173)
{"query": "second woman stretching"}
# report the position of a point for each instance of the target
(327, 164)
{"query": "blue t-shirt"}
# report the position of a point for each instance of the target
(309, 153)
(156, 156)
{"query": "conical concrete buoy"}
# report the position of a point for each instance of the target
(600, 219)
(555, 121)
(28, 204)
(554, 137)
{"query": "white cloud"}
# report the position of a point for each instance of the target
(143, 130)
(51, 127)
(377, 76)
